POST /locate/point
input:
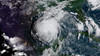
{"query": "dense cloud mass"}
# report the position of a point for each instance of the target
(8, 50)
(50, 27)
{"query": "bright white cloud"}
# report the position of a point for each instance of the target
(15, 42)
(89, 26)
(96, 27)
(80, 26)
(94, 3)
(20, 54)
(48, 26)
(3, 51)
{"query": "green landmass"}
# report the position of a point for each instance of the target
(60, 0)
(41, 7)
(55, 45)
(91, 36)
(76, 6)
(41, 49)
(61, 38)
(80, 15)
(94, 47)
(52, 4)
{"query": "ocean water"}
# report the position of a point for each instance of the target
(56, 31)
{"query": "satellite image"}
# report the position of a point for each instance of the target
(49, 27)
